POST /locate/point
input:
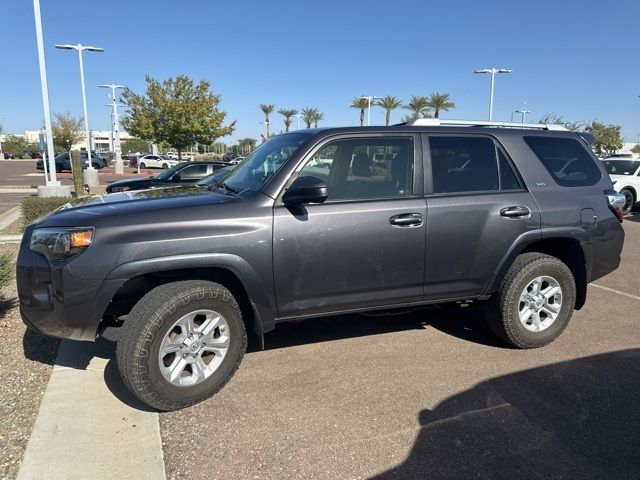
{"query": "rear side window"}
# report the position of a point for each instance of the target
(566, 159)
(469, 164)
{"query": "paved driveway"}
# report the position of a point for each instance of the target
(429, 394)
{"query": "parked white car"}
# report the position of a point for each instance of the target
(174, 156)
(156, 161)
(625, 175)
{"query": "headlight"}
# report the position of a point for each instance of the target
(61, 244)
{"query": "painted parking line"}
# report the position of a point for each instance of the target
(613, 290)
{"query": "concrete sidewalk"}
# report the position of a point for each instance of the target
(89, 426)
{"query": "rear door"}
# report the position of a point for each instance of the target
(478, 207)
(364, 246)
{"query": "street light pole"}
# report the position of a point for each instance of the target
(369, 98)
(119, 167)
(92, 178)
(1, 154)
(51, 181)
(493, 72)
(298, 117)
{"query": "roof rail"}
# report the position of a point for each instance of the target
(437, 122)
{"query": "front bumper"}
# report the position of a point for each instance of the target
(53, 300)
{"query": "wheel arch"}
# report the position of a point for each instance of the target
(566, 246)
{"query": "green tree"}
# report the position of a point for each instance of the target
(554, 119)
(440, 102)
(267, 109)
(176, 111)
(134, 145)
(389, 103)
(608, 139)
(317, 116)
(247, 144)
(18, 145)
(288, 114)
(67, 131)
(362, 104)
(309, 115)
(636, 148)
(418, 107)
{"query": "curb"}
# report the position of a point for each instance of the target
(8, 217)
(89, 425)
(18, 190)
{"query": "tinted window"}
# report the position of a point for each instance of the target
(621, 167)
(566, 159)
(508, 179)
(463, 164)
(364, 168)
(194, 171)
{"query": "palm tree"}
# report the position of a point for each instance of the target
(267, 109)
(418, 106)
(308, 115)
(389, 103)
(317, 116)
(287, 113)
(440, 102)
(361, 103)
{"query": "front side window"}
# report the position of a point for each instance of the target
(364, 168)
(566, 159)
(193, 171)
(621, 167)
(261, 165)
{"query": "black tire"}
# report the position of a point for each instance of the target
(139, 344)
(165, 166)
(502, 313)
(143, 165)
(96, 166)
(630, 200)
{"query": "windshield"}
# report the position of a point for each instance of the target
(261, 165)
(215, 177)
(621, 167)
(168, 173)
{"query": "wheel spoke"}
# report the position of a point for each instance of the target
(199, 368)
(536, 284)
(525, 314)
(170, 345)
(209, 325)
(176, 368)
(550, 291)
(535, 320)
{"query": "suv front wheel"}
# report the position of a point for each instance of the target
(181, 343)
(534, 303)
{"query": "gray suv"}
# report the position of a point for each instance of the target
(519, 218)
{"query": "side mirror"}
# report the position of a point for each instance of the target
(176, 178)
(306, 190)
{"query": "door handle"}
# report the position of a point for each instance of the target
(406, 220)
(516, 212)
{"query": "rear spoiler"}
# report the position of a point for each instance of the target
(588, 138)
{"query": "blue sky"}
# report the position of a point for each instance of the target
(569, 57)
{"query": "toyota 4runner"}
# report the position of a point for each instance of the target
(326, 221)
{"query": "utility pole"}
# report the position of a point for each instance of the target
(119, 167)
(493, 72)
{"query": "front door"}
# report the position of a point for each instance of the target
(478, 207)
(365, 245)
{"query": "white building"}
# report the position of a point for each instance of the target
(101, 140)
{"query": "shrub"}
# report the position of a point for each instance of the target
(36, 207)
(6, 270)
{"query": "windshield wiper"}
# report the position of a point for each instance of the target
(226, 187)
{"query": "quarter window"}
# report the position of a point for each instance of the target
(566, 159)
(364, 168)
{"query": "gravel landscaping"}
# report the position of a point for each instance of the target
(27, 363)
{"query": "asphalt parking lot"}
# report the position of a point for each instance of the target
(431, 394)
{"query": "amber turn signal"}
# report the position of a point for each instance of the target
(81, 239)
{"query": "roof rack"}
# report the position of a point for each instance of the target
(437, 122)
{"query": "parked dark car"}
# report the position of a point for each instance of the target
(518, 220)
(183, 173)
(63, 162)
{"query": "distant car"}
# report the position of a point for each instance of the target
(181, 174)
(625, 175)
(185, 157)
(64, 164)
(157, 161)
(8, 155)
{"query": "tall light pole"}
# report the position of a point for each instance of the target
(116, 127)
(51, 181)
(92, 177)
(1, 154)
(493, 72)
(369, 98)
(523, 111)
(298, 117)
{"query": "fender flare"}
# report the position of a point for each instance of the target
(261, 301)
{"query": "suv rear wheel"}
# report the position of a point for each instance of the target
(181, 343)
(534, 303)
